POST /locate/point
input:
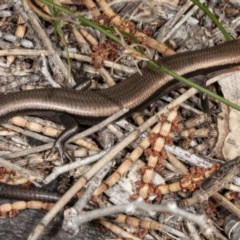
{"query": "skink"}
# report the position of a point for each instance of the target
(27, 194)
(133, 93)
(137, 91)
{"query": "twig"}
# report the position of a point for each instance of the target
(187, 157)
(118, 231)
(176, 22)
(73, 55)
(85, 133)
(145, 208)
(215, 182)
(30, 18)
(30, 175)
(69, 223)
(227, 204)
(71, 166)
(47, 74)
